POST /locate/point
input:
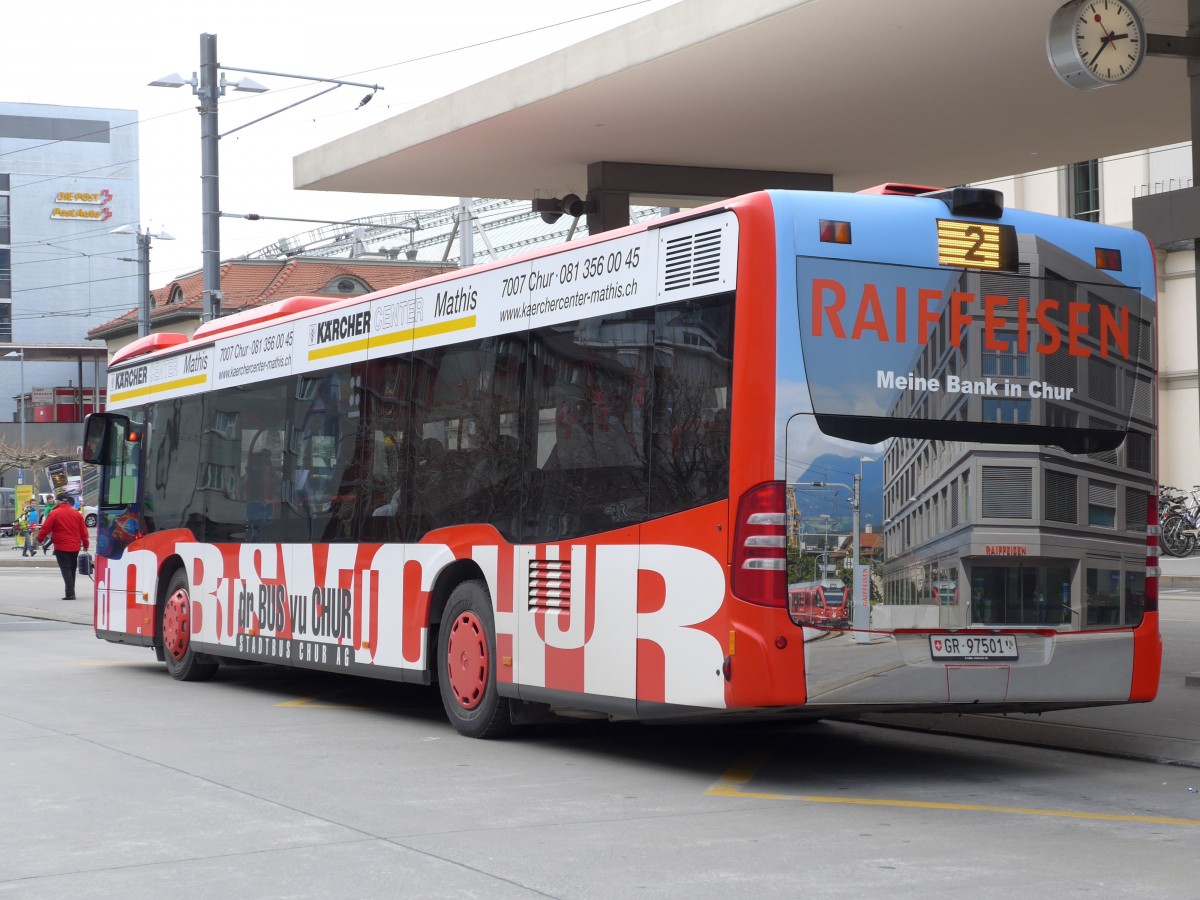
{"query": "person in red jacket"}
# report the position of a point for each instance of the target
(65, 526)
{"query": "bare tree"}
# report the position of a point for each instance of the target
(13, 456)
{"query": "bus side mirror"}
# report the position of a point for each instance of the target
(95, 434)
(98, 429)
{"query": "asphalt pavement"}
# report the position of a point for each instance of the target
(1164, 731)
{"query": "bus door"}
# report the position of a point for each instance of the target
(113, 441)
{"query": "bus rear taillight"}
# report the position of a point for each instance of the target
(1153, 530)
(760, 546)
(835, 232)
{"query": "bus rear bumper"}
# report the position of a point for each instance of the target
(900, 669)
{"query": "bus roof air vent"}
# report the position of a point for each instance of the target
(259, 314)
(898, 189)
(160, 340)
(978, 203)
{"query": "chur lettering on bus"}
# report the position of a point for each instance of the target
(322, 605)
(854, 315)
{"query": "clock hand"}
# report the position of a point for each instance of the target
(1109, 36)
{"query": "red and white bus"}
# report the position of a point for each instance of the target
(556, 484)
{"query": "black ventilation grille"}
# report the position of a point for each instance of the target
(693, 260)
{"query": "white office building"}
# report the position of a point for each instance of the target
(1104, 191)
(68, 177)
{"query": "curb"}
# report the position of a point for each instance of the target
(1025, 732)
(53, 615)
(1191, 582)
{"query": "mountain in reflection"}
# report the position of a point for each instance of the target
(812, 502)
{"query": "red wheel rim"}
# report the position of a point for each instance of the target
(177, 624)
(467, 660)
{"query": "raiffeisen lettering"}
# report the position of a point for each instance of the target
(847, 316)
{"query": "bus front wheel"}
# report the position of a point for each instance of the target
(467, 664)
(175, 634)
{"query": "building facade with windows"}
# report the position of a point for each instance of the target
(68, 177)
(1104, 190)
(1077, 524)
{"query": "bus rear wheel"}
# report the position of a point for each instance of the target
(467, 664)
(175, 633)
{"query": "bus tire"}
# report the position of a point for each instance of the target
(175, 634)
(467, 664)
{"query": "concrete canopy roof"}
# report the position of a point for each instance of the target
(54, 352)
(935, 92)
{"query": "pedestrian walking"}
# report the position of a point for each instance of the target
(65, 526)
(30, 517)
(21, 534)
(46, 510)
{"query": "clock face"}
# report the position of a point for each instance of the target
(1109, 39)
(1095, 43)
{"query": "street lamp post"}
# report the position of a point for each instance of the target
(824, 548)
(209, 87)
(143, 261)
(20, 354)
(860, 611)
(862, 584)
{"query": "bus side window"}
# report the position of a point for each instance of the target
(591, 470)
(121, 467)
(261, 489)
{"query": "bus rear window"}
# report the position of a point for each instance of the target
(967, 355)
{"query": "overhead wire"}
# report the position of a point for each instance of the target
(140, 121)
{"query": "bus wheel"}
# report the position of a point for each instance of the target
(467, 664)
(175, 632)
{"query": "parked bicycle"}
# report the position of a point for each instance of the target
(1179, 519)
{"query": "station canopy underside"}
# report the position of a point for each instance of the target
(937, 92)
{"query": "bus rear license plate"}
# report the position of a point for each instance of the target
(983, 647)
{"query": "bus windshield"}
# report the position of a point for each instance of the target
(835, 596)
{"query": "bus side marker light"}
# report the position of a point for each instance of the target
(1108, 259)
(781, 642)
(727, 668)
(506, 661)
(834, 232)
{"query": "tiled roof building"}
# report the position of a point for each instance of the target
(246, 283)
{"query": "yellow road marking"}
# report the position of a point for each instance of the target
(315, 703)
(731, 784)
